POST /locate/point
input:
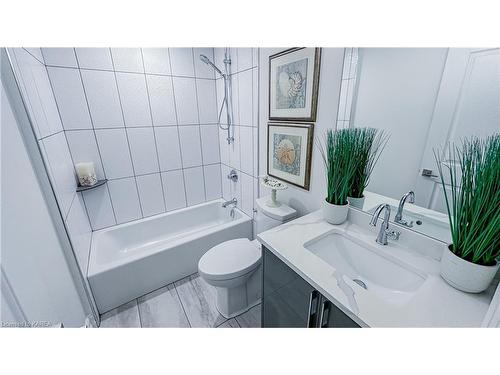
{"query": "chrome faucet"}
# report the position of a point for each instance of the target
(232, 201)
(399, 215)
(384, 232)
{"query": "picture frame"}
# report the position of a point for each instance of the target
(289, 152)
(293, 84)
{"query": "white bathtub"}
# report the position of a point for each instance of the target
(132, 259)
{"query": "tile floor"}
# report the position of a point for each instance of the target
(189, 302)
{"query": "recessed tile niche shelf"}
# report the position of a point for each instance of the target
(84, 188)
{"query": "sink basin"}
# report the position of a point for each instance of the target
(363, 263)
(424, 224)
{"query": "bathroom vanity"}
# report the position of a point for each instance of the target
(290, 301)
(322, 275)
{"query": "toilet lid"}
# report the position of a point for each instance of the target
(230, 259)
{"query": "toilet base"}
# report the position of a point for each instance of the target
(239, 299)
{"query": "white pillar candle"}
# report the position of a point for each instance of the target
(86, 173)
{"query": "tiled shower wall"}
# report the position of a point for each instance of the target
(242, 154)
(147, 119)
(36, 90)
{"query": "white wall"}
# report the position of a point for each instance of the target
(397, 90)
(328, 100)
(31, 254)
(146, 118)
(242, 154)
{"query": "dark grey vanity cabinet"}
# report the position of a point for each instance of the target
(289, 301)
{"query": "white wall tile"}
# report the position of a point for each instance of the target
(246, 149)
(36, 52)
(245, 97)
(60, 57)
(210, 143)
(226, 186)
(195, 185)
(185, 100)
(247, 186)
(173, 188)
(156, 60)
(213, 187)
(255, 57)
(207, 101)
(94, 58)
(224, 147)
(182, 61)
(115, 153)
(62, 171)
(134, 99)
(161, 97)
(245, 56)
(151, 194)
(80, 232)
(169, 153)
(219, 88)
(99, 207)
(219, 56)
(233, 54)
(190, 145)
(70, 97)
(234, 149)
(83, 147)
(202, 70)
(38, 93)
(255, 152)
(127, 60)
(102, 96)
(255, 106)
(125, 199)
(143, 150)
(235, 97)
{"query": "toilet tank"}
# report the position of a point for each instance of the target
(268, 217)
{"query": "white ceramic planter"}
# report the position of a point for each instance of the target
(335, 214)
(464, 275)
(356, 202)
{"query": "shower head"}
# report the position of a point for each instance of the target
(207, 61)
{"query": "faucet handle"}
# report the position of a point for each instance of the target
(393, 234)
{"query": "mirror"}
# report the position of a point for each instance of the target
(424, 98)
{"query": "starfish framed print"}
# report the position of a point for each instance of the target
(293, 84)
(289, 150)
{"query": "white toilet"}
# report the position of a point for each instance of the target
(234, 267)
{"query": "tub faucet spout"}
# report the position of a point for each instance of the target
(232, 201)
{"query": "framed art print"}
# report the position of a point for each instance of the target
(293, 84)
(289, 150)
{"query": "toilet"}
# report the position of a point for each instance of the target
(234, 267)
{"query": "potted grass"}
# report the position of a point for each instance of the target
(367, 145)
(336, 151)
(470, 178)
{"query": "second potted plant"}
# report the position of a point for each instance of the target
(367, 145)
(470, 177)
(340, 166)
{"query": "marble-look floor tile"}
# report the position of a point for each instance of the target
(162, 308)
(125, 316)
(251, 318)
(231, 323)
(198, 299)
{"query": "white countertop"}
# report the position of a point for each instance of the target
(434, 304)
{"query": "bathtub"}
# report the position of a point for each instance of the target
(132, 259)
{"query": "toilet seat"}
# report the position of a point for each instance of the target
(230, 259)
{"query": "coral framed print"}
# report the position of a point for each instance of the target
(293, 84)
(289, 150)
